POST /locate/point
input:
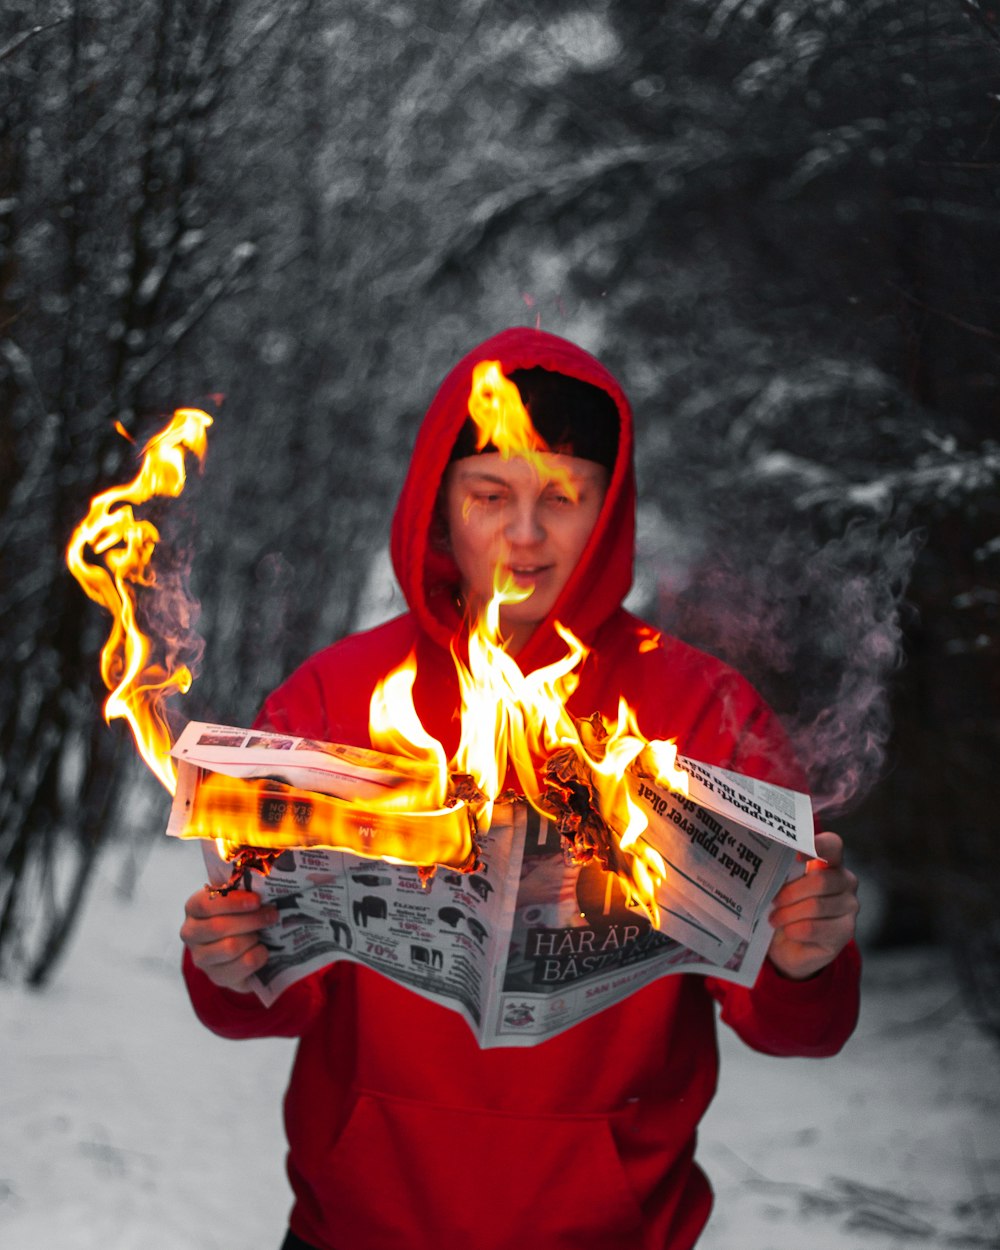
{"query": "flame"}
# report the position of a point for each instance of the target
(503, 421)
(499, 415)
(408, 809)
(138, 685)
(511, 719)
(396, 729)
(275, 816)
(514, 719)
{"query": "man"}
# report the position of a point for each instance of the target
(402, 1132)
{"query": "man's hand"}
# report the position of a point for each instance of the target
(813, 916)
(222, 933)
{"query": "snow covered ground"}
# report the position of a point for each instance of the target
(124, 1124)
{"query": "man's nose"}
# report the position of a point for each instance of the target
(524, 525)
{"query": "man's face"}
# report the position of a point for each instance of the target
(507, 514)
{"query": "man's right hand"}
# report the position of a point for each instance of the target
(222, 932)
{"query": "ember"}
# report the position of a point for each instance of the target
(571, 798)
(246, 860)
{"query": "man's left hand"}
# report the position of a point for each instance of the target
(813, 917)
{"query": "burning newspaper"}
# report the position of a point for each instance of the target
(272, 791)
(513, 934)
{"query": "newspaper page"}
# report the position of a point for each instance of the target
(721, 876)
(324, 767)
(577, 945)
(770, 810)
(440, 938)
(530, 943)
(275, 791)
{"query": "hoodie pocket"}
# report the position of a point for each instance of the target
(407, 1175)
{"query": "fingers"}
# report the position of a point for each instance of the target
(823, 875)
(829, 930)
(206, 902)
(238, 911)
(222, 932)
(819, 906)
(826, 893)
(829, 848)
(814, 915)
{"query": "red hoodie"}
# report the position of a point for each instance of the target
(402, 1132)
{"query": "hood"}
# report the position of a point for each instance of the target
(429, 577)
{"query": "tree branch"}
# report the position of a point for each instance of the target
(21, 39)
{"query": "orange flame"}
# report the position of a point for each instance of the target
(269, 814)
(502, 420)
(499, 415)
(111, 529)
(510, 718)
(515, 719)
(395, 728)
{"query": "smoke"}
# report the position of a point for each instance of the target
(816, 626)
(167, 611)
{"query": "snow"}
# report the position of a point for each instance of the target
(893, 1141)
(123, 1123)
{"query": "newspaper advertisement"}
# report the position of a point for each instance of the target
(528, 944)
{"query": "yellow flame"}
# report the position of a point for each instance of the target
(263, 813)
(519, 719)
(502, 421)
(126, 543)
(396, 729)
(510, 718)
(499, 415)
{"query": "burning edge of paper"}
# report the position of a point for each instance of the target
(245, 792)
(269, 813)
(257, 793)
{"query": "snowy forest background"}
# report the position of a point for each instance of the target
(775, 220)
